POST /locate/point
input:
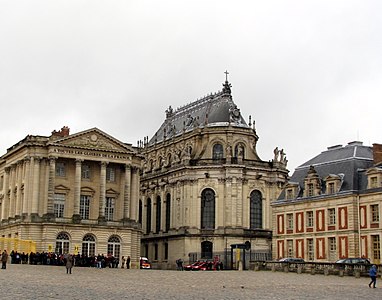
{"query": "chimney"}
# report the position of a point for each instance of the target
(377, 153)
(62, 133)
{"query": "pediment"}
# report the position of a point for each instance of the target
(94, 139)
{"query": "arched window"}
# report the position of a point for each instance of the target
(206, 251)
(140, 212)
(62, 243)
(256, 210)
(148, 216)
(114, 246)
(208, 209)
(168, 212)
(158, 215)
(217, 152)
(88, 245)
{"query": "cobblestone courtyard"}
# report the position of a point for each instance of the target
(48, 282)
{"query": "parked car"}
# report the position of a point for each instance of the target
(144, 263)
(292, 260)
(199, 266)
(358, 261)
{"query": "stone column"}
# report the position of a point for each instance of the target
(5, 202)
(102, 193)
(26, 195)
(20, 171)
(126, 197)
(12, 200)
(51, 181)
(135, 194)
(77, 190)
(35, 185)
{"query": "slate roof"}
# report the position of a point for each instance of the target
(349, 162)
(216, 109)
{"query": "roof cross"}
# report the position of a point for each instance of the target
(226, 75)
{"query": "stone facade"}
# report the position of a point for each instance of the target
(203, 185)
(71, 193)
(330, 208)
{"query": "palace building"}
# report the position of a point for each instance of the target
(204, 189)
(74, 193)
(331, 207)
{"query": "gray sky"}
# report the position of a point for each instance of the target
(309, 72)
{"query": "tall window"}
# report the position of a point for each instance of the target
(60, 169)
(109, 208)
(114, 246)
(168, 212)
(217, 152)
(85, 171)
(59, 205)
(309, 219)
(289, 221)
(376, 244)
(207, 249)
(158, 215)
(310, 247)
(148, 216)
(331, 188)
(110, 174)
(310, 189)
(332, 248)
(165, 251)
(62, 243)
(374, 209)
(155, 251)
(88, 245)
(84, 206)
(208, 209)
(290, 248)
(256, 210)
(140, 212)
(373, 182)
(331, 216)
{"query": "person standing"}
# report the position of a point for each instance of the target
(123, 261)
(128, 262)
(373, 276)
(69, 264)
(4, 259)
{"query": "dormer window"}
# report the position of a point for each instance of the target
(331, 188)
(289, 194)
(312, 183)
(291, 190)
(374, 178)
(333, 183)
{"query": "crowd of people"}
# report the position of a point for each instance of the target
(56, 259)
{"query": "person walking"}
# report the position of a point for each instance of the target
(4, 259)
(128, 262)
(123, 261)
(373, 276)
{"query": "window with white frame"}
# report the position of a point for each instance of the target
(110, 174)
(374, 210)
(373, 182)
(309, 219)
(84, 206)
(310, 189)
(59, 205)
(60, 169)
(331, 189)
(331, 216)
(310, 248)
(109, 208)
(290, 248)
(376, 244)
(85, 171)
(332, 248)
(289, 221)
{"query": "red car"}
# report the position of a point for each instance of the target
(199, 266)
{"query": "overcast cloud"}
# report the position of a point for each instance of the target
(309, 72)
